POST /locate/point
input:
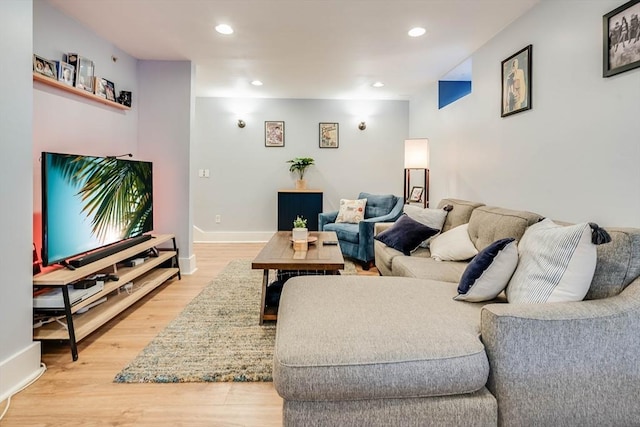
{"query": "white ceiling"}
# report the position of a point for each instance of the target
(315, 49)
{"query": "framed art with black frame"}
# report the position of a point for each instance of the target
(274, 134)
(329, 135)
(621, 39)
(516, 82)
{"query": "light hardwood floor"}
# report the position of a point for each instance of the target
(82, 393)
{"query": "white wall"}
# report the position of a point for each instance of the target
(66, 123)
(19, 356)
(574, 156)
(165, 121)
(245, 176)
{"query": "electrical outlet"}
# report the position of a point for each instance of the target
(218, 219)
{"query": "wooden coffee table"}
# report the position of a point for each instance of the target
(278, 254)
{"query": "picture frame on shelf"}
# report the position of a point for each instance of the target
(416, 194)
(274, 134)
(329, 135)
(621, 39)
(44, 67)
(516, 82)
(100, 87)
(125, 98)
(66, 72)
(110, 90)
(85, 70)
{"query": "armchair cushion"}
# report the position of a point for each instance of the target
(345, 231)
(378, 205)
(406, 234)
(351, 211)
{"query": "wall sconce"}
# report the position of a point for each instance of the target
(241, 123)
(362, 126)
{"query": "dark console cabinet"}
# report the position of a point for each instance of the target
(306, 203)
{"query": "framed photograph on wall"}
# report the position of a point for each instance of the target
(621, 39)
(329, 135)
(45, 67)
(516, 82)
(274, 134)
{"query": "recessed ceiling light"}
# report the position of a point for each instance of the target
(416, 32)
(378, 84)
(224, 29)
(256, 83)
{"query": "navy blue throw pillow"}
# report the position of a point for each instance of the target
(489, 272)
(406, 234)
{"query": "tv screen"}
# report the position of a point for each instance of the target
(91, 202)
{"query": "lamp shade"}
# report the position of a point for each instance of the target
(416, 153)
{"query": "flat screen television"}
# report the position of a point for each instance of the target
(89, 203)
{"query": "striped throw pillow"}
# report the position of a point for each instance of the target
(556, 264)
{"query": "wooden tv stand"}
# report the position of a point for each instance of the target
(145, 278)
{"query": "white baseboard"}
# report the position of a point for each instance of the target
(188, 265)
(201, 236)
(19, 370)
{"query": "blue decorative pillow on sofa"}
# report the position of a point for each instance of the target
(406, 234)
(489, 272)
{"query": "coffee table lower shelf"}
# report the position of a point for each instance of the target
(270, 313)
(278, 254)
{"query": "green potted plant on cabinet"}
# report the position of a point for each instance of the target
(300, 165)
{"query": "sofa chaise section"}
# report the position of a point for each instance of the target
(350, 341)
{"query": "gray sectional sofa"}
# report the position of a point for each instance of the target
(398, 350)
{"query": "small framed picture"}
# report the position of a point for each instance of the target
(329, 135)
(621, 39)
(101, 87)
(45, 67)
(110, 90)
(416, 194)
(516, 82)
(84, 71)
(66, 72)
(274, 134)
(125, 98)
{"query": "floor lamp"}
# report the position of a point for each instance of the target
(416, 158)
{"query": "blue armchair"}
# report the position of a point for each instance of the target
(356, 240)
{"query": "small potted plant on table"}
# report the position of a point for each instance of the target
(300, 230)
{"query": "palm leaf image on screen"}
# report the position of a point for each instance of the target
(116, 194)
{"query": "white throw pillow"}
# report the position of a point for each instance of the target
(433, 218)
(489, 272)
(556, 264)
(351, 211)
(453, 245)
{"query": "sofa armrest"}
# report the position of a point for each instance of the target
(325, 218)
(381, 226)
(565, 363)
